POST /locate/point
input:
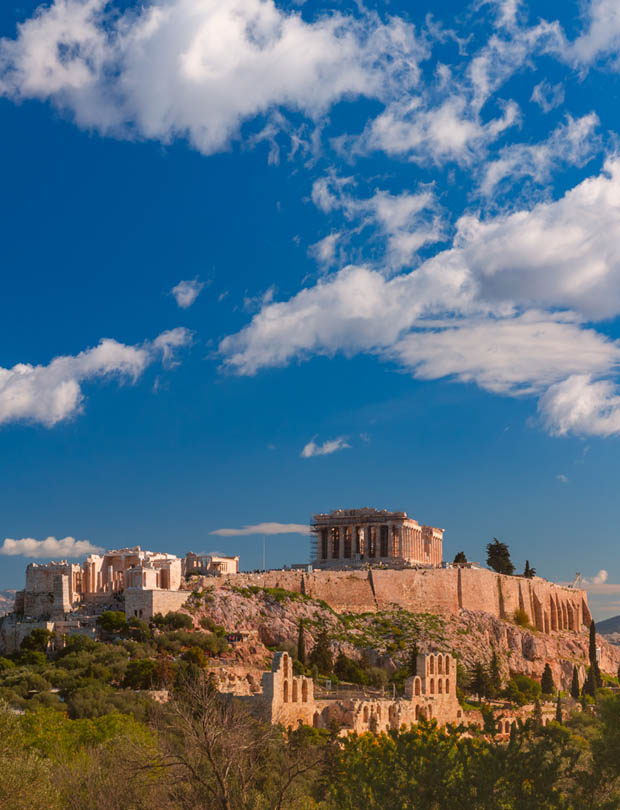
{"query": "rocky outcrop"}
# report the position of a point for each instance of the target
(387, 636)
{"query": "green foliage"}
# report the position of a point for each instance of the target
(301, 643)
(521, 690)
(574, 687)
(529, 573)
(480, 683)
(140, 674)
(112, 622)
(38, 640)
(558, 710)
(521, 618)
(321, 655)
(495, 674)
(498, 557)
(546, 681)
(460, 558)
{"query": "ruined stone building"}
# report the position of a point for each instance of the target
(356, 536)
(211, 564)
(287, 699)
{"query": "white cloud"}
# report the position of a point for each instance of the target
(186, 292)
(602, 37)
(406, 221)
(583, 406)
(52, 393)
(330, 446)
(504, 307)
(324, 251)
(198, 70)
(597, 579)
(50, 548)
(573, 143)
(548, 96)
(563, 479)
(265, 528)
(451, 131)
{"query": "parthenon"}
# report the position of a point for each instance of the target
(357, 536)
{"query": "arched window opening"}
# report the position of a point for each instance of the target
(439, 686)
(315, 720)
(365, 714)
(447, 664)
(294, 697)
(439, 665)
(304, 691)
(447, 686)
(417, 686)
(432, 665)
(285, 692)
(432, 686)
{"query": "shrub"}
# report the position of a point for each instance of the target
(521, 618)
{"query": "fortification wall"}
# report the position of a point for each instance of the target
(548, 607)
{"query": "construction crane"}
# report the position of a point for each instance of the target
(577, 581)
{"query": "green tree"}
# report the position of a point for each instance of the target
(537, 714)
(596, 672)
(529, 573)
(480, 683)
(113, 622)
(140, 674)
(460, 558)
(301, 643)
(546, 682)
(321, 655)
(589, 685)
(495, 674)
(574, 687)
(413, 660)
(498, 557)
(38, 640)
(558, 710)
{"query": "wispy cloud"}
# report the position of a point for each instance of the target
(64, 548)
(330, 446)
(597, 579)
(265, 528)
(186, 292)
(562, 478)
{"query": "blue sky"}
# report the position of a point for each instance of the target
(396, 236)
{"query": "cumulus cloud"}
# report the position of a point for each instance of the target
(573, 143)
(186, 292)
(50, 548)
(179, 68)
(265, 528)
(327, 448)
(563, 479)
(52, 393)
(504, 307)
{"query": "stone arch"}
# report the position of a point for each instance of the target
(431, 664)
(459, 714)
(316, 719)
(285, 692)
(447, 662)
(440, 664)
(365, 714)
(564, 616)
(553, 614)
(432, 686)
(447, 685)
(439, 686)
(417, 685)
(417, 712)
(304, 691)
(294, 695)
(506, 727)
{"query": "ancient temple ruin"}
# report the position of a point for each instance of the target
(350, 537)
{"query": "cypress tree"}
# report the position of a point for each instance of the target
(618, 674)
(301, 643)
(413, 660)
(479, 683)
(495, 674)
(538, 718)
(546, 682)
(529, 573)
(558, 710)
(574, 687)
(460, 558)
(321, 655)
(589, 685)
(596, 673)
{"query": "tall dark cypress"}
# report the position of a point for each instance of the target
(574, 687)
(558, 710)
(596, 672)
(301, 643)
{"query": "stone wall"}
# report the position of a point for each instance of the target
(548, 607)
(289, 699)
(144, 604)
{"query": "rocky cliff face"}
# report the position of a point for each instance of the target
(7, 600)
(386, 636)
